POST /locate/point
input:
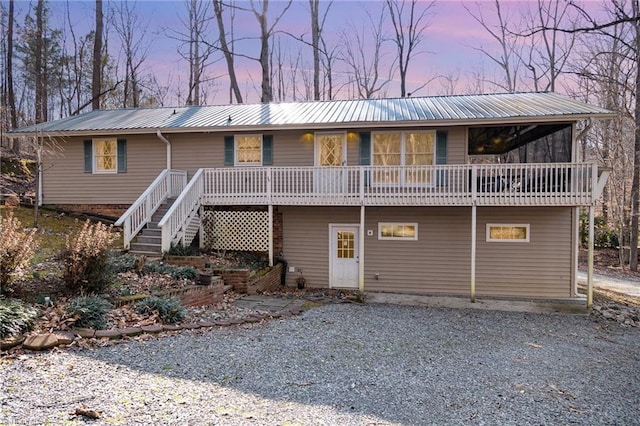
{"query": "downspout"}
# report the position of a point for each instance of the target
(168, 143)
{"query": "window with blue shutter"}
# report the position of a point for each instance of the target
(441, 156)
(267, 150)
(122, 156)
(229, 150)
(365, 155)
(88, 156)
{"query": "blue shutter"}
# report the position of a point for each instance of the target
(365, 149)
(441, 147)
(88, 156)
(267, 150)
(441, 156)
(365, 155)
(229, 150)
(122, 156)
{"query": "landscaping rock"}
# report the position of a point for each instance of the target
(87, 333)
(171, 327)
(131, 331)
(64, 337)
(111, 334)
(190, 326)
(10, 342)
(152, 328)
(40, 342)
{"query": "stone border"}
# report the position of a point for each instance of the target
(46, 341)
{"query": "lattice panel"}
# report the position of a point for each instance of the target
(234, 230)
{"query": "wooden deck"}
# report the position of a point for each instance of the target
(548, 184)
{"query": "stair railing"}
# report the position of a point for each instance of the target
(169, 183)
(183, 209)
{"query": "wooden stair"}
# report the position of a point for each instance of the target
(149, 240)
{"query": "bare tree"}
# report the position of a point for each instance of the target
(96, 81)
(363, 57)
(11, 97)
(132, 32)
(549, 50)
(409, 25)
(260, 10)
(227, 49)
(508, 58)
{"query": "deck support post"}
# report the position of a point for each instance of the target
(270, 226)
(590, 259)
(361, 250)
(473, 251)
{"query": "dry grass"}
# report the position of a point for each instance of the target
(53, 229)
(605, 296)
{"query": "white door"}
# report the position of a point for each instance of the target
(343, 263)
(330, 157)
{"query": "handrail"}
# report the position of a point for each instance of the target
(452, 184)
(169, 183)
(175, 218)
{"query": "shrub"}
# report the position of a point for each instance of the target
(176, 272)
(16, 317)
(169, 310)
(89, 312)
(121, 263)
(180, 250)
(16, 250)
(86, 257)
(603, 235)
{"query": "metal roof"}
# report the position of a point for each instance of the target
(392, 112)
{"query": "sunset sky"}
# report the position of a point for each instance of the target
(450, 46)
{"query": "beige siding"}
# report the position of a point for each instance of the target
(456, 145)
(65, 182)
(306, 240)
(540, 268)
(439, 261)
(191, 152)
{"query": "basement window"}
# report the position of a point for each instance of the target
(500, 232)
(397, 231)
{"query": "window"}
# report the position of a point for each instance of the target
(397, 231)
(508, 232)
(105, 155)
(403, 149)
(249, 150)
(346, 248)
(330, 149)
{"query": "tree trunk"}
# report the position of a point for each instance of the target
(11, 97)
(315, 44)
(96, 82)
(267, 90)
(635, 184)
(38, 60)
(228, 54)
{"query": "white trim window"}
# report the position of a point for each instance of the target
(508, 232)
(331, 149)
(105, 156)
(248, 150)
(397, 231)
(410, 149)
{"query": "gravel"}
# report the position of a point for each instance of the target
(344, 364)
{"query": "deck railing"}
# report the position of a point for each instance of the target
(175, 222)
(453, 185)
(168, 184)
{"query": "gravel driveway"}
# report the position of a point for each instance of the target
(345, 364)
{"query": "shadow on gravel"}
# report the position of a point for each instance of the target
(410, 365)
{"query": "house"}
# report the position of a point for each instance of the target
(475, 195)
